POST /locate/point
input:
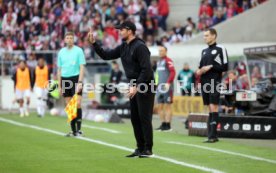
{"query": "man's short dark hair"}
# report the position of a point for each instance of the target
(22, 61)
(39, 58)
(164, 47)
(69, 33)
(212, 31)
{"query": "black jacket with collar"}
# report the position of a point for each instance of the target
(215, 55)
(135, 57)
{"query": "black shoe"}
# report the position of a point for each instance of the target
(146, 154)
(136, 153)
(72, 134)
(167, 127)
(211, 140)
(161, 127)
(216, 139)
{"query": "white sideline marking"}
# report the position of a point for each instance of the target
(202, 168)
(101, 128)
(225, 151)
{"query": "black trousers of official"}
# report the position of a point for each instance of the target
(141, 106)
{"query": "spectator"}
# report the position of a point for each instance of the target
(163, 10)
(205, 22)
(111, 31)
(218, 18)
(186, 79)
(37, 44)
(139, 27)
(87, 50)
(2, 47)
(174, 38)
(120, 18)
(76, 18)
(205, 9)
(245, 5)
(44, 37)
(220, 7)
(9, 21)
(190, 24)
(108, 41)
(132, 8)
(255, 75)
(231, 80)
(2, 10)
(116, 73)
(10, 44)
(188, 34)
(20, 46)
(149, 26)
(178, 29)
(212, 12)
(85, 24)
(119, 7)
(22, 16)
(202, 25)
(112, 16)
(231, 10)
(241, 68)
(153, 9)
(68, 7)
(150, 41)
(165, 41)
(242, 82)
(230, 83)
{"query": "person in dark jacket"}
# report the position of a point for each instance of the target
(135, 57)
(115, 78)
(116, 73)
(214, 61)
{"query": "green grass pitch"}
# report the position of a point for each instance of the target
(27, 150)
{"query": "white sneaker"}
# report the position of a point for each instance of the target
(27, 113)
(21, 115)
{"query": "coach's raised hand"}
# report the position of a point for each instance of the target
(90, 36)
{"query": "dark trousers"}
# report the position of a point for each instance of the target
(163, 22)
(141, 106)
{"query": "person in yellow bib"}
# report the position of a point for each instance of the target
(23, 87)
(41, 78)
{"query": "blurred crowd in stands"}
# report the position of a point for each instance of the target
(212, 12)
(41, 24)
